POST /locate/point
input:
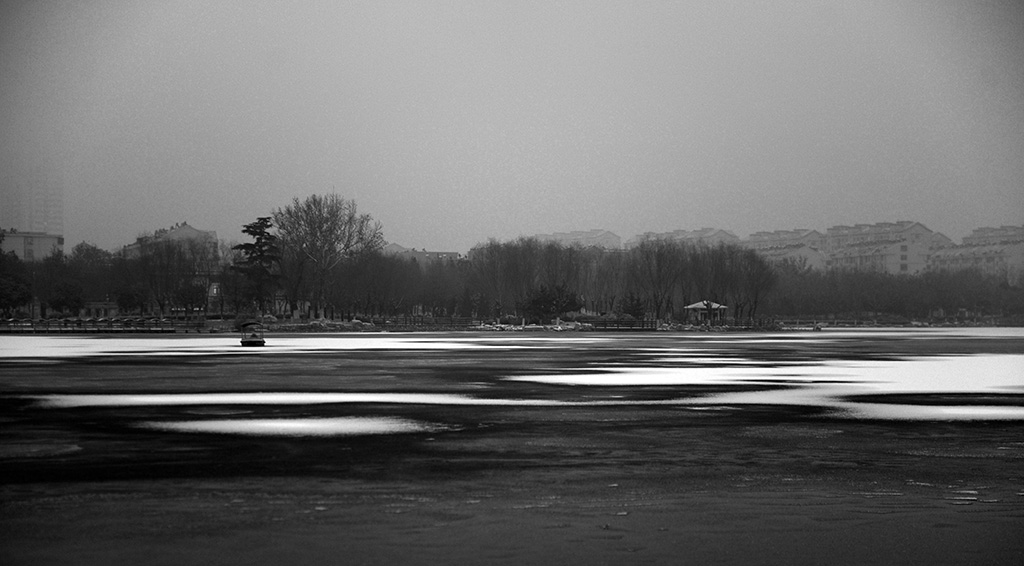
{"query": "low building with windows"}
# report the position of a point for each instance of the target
(195, 257)
(1001, 259)
(801, 256)
(839, 237)
(181, 232)
(423, 257)
(988, 236)
(785, 239)
(898, 257)
(31, 246)
(702, 236)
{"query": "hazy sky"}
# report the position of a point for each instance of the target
(453, 122)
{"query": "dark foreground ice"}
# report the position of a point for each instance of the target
(868, 447)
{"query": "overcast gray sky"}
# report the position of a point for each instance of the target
(453, 122)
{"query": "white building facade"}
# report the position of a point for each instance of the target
(31, 246)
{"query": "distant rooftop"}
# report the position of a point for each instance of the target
(597, 238)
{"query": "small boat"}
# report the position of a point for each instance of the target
(252, 334)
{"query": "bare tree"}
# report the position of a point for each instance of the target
(560, 265)
(711, 275)
(606, 280)
(655, 266)
(757, 278)
(325, 230)
(442, 285)
(177, 273)
(92, 265)
(502, 273)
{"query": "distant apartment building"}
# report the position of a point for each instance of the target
(903, 247)
(181, 232)
(702, 236)
(840, 237)
(799, 255)
(32, 216)
(1004, 259)
(890, 247)
(898, 248)
(33, 204)
(588, 239)
(31, 246)
(897, 257)
(423, 257)
(785, 239)
(988, 236)
(800, 247)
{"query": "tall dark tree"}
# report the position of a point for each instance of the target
(756, 278)
(15, 282)
(378, 285)
(547, 303)
(507, 273)
(606, 281)
(260, 261)
(93, 268)
(443, 287)
(488, 280)
(58, 288)
(129, 288)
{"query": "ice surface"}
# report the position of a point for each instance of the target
(344, 426)
(788, 369)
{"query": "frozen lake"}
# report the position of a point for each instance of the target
(525, 425)
(836, 373)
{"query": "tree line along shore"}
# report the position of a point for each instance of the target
(319, 259)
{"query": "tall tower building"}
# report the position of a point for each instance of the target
(12, 206)
(35, 204)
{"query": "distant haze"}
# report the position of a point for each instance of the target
(455, 122)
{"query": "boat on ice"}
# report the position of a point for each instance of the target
(252, 334)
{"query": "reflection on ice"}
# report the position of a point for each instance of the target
(978, 373)
(901, 412)
(287, 398)
(280, 398)
(53, 347)
(64, 347)
(829, 384)
(711, 372)
(345, 426)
